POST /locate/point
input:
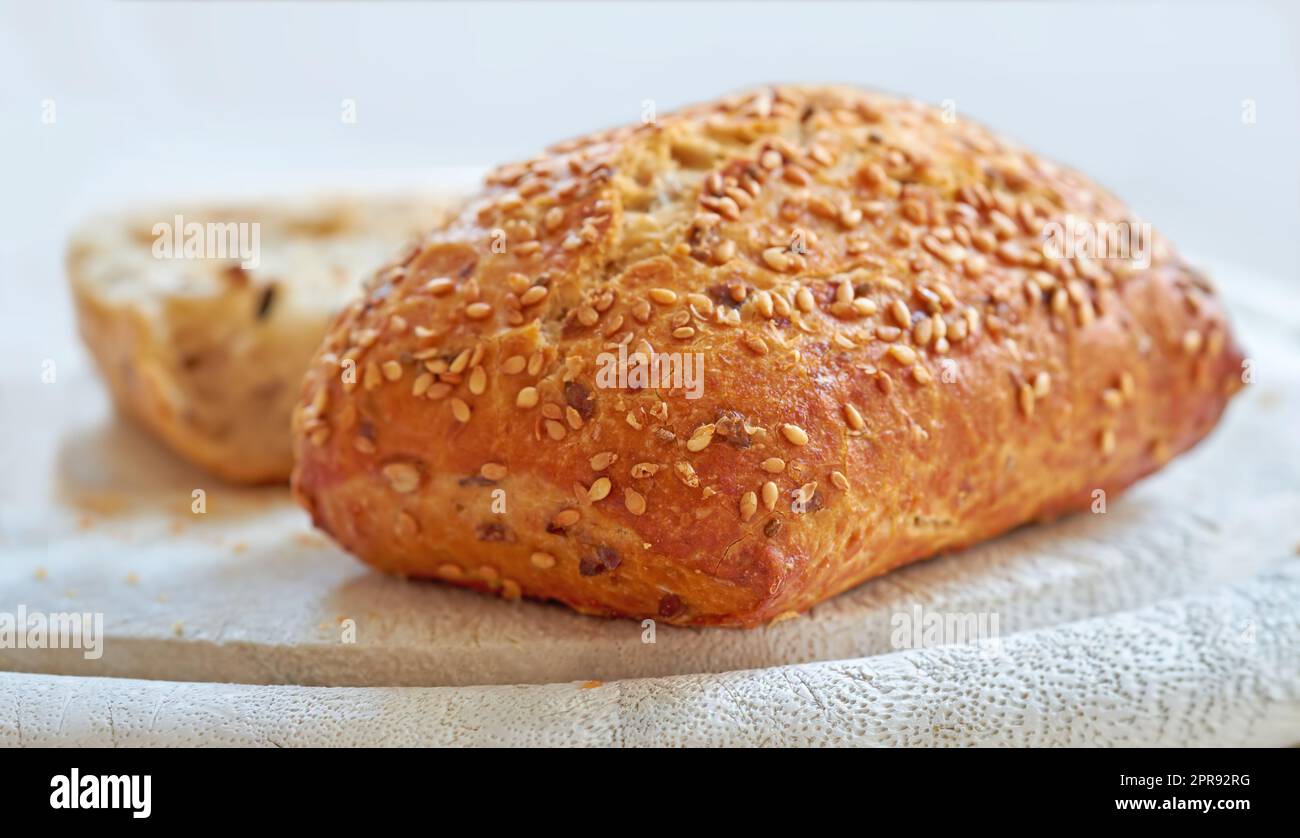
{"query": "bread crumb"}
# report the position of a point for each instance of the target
(41, 574)
(591, 685)
(132, 579)
(178, 628)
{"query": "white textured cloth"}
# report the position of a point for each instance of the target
(1220, 669)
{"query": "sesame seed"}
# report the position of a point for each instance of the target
(1112, 398)
(1108, 441)
(527, 398)
(794, 434)
(755, 344)
(902, 316)
(802, 496)
(478, 311)
(923, 331)
(841, 482)
(1026, 397)
(686, 473)
(864, 306)
(517, 282)
(904, 355)
(421, 385)
(439, 286)
(392, 370)
(514, 365)
(439, 390)
(566, 518)
(555, 430)
(921, 374)
(644, 470)
(600, 489)
(406, 526)
(804, 300)
(700, 302)
(372, 377)
(748, 505)
(447, 570)
(853, 417)
(1126, 385)
(770, 495)
(493, 471)
(701, 438)
(510, 590)
(663, 296)
(1192, 341)
(796, 175)
(603, 460)
(542, 561)
(402, 477)
(1042, 384)
(534, 295)
(776, 258)
(634, 501)
(460, 363)
(775, 465)
(1060, 300)
(460, 410)
(478, 380)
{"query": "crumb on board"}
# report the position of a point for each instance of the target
(41, 574)
(591, 685)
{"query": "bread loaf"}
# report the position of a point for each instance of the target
(207, 351)
(898, 357)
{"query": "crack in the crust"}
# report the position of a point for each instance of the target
(725, 554)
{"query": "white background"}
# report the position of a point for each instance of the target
(189, 99)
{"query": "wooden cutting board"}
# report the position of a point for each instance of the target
(95, 516)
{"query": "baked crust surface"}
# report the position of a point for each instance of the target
(895, 364)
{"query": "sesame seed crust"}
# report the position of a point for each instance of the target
(894, 365)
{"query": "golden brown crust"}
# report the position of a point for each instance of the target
(893, 366)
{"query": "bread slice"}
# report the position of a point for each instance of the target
(207, 350)
(900, 355)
